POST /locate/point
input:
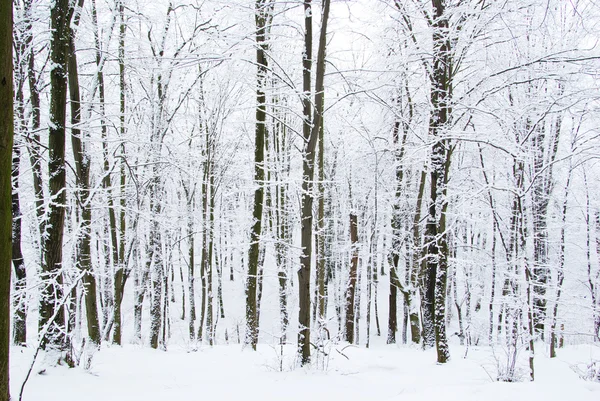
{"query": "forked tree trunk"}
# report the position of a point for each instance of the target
(311, 127)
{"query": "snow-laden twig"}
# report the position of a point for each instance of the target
(45, 329)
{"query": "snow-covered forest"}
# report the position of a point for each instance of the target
(403, 191)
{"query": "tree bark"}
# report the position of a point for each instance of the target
(351, 288)
(52, 289)
(121, 275)
(20, 125)
(436, 236)
(311, 127)
(261, 18)
(82, 169)
(6, 145)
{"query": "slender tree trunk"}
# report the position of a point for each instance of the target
(210, 262)
(141, 280)
(34, 148)
(120, 275)
(82, 168)
(191, 265)
(157, 273)
(320, 238)
(393, 309)
(351, 288)
(561, 266)
(20, 305)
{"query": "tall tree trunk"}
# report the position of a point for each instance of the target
(52, 289)
(34, 148)
(436, 236)
(191, 264)
(311, 127)
(262, 18)
(6, 145)
(561, 266)
(210, 321)
(158, 272)
(307, 200)
(82, 169)
(320, 238)
(544, 155)
(204, 253)
(121, 275)
(20, 125)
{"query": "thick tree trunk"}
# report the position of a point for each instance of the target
(261, 18)
(6, 145)
(436, 236)
(311, 127)
(307, 199)
(52, 289)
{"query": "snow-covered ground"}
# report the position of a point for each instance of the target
(228, 372)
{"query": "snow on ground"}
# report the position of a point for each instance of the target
(226, 372)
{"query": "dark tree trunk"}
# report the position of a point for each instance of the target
(20, 317)
(51, 292)
(121, 275)
(6, 145)
(351, 289)
(262, 21)
(393, 310)
(321, 237)
(82, 169)
(436, 236)
(311, 127)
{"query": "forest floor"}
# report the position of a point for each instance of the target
(228, 372)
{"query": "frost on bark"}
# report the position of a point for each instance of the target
(400, 136)
(21, 55)
(52, 289)
(352, 285)
(436, 236)
(263, 15)
(84, 194)
(544, 143)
